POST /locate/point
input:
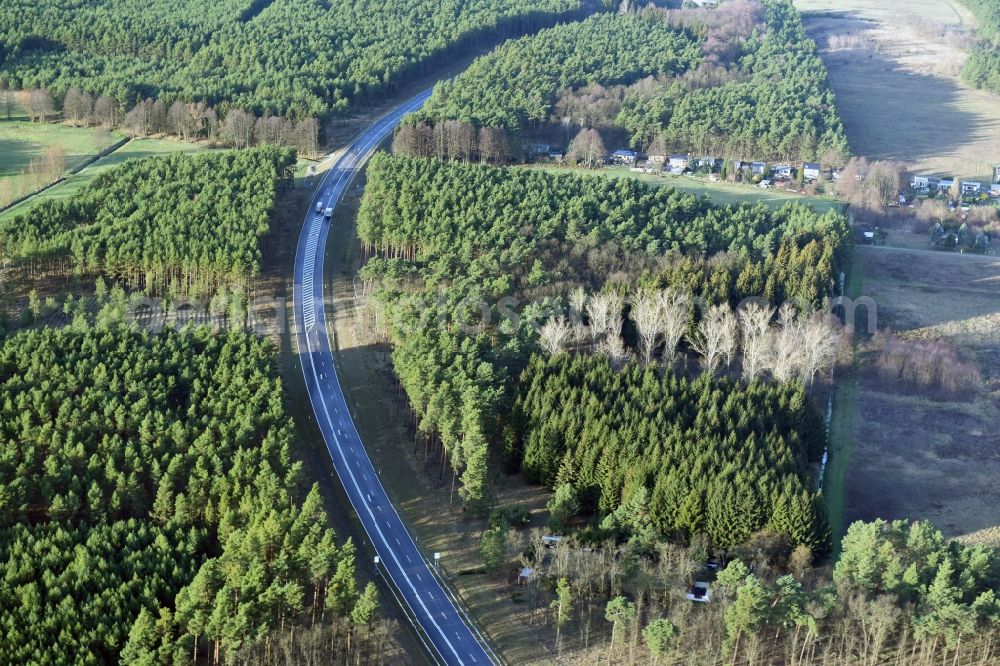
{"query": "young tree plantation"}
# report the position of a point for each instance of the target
(150, 504)
(177, 225)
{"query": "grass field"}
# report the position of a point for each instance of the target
(719, 193)
(134, 149)
(923, 456)
(22, 141)
(898, 88)
(841, 444)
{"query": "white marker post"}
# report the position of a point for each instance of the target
(437, 561)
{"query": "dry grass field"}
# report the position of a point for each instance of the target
(894, 66)
(918, 455)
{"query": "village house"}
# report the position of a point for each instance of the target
(624, 156)
(995, 190)
(921, 183)
(758, 168)
(709, 162)
(679, 162)
(536, 149)
(782, 172)
(945, 184)
(971, 187)
(810, 171)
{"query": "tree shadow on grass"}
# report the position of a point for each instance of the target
(15, 156)
(891, 112)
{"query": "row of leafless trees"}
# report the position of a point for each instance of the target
(783, 344)
(190, 121)
(197, 120)
(933, 364)
(454, 140)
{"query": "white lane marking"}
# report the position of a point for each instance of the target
(309, 307)
(392, 552)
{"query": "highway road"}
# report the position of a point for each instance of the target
(452, 637)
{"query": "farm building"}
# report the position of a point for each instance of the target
(758, 168)
(539, 148)
(945, 184)
(810, 170)
(921, 183)
(679, 161)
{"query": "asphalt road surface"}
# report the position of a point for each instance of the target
(453, 639)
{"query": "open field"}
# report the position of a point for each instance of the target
(22, 142)
(918, 455)
(134, 149)
(897, 85)
(719, 193)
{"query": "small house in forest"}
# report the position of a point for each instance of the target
(782, 172)
(810, 171)
(679, 161)
(758, 168)
(624, 156)
(536, 149)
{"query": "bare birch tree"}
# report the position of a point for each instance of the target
(613, 347)
(647, 315)
(819, 338)
(755, 323)
(786, 346)
(106, 112)
(605, 313)
(239, 128)
(577, 308)
(40, 105)
(716, 338)
(555, 335)
(674, 311)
